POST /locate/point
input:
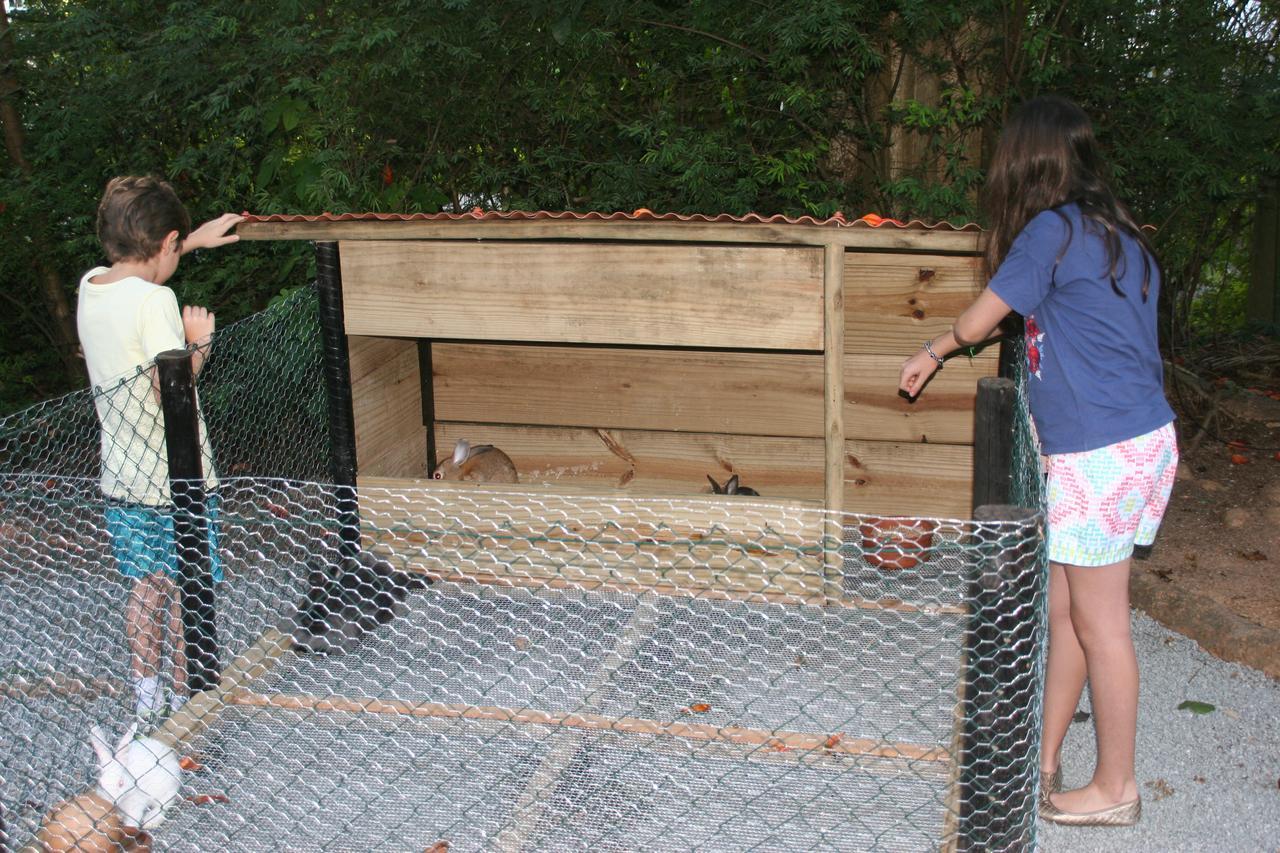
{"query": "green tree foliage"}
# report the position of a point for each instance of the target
(810, 106)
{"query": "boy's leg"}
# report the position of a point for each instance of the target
(1100, 614)
(143, 629)
(1064, 672)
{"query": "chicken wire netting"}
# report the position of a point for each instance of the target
(482, 669)
(564, 673)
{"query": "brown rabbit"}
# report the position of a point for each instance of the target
(481, 464)
(89, 824)
(731, 487)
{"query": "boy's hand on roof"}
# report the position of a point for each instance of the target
(213, 233)
(197, 324)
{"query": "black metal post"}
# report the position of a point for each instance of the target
(993, 441)
(426, 374)
(1011, 344)
(190, 517)
(337, 382)
(999, 750)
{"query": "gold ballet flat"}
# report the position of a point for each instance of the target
(1125, 814)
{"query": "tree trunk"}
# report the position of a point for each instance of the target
(51, 285)
(1263, 303)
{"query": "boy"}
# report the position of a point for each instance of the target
(126, 317)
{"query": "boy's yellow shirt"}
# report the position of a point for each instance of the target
(124, 325)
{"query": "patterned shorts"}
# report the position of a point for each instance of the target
(1102, 502)
(143, 541)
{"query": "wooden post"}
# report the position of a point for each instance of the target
(833, 409)
(337, 382)
(190, 517)
(1002, 681)
(993, 441)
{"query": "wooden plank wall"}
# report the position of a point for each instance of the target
(880, 476)
(698, 296)
(657, 421)
(386, 396)
(549, 536)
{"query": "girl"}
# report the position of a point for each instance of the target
(1067, 256)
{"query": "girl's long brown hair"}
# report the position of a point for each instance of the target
(1048, 157)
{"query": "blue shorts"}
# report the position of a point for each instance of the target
(143, 541)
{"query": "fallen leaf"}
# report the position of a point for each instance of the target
(1255, 555)
(1080, 717)
(1165, 575)
(277, 510)
(1161, 788)
(207, 799)
(1238, 445)
(1196, 707)
(832, 742)
(1239, 459)
(698, 708)
(1235, 715)
(438, 847)
(801, 660)
(521, 643)
(189, 764)
(777, 745)
(1199, 779)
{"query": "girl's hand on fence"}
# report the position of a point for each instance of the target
(197, 324)
(916, 372)
(213, 233)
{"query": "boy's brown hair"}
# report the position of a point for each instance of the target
(135, 215)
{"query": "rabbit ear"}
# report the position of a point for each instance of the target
(461, 451)
(101, 747)
(126, 739)
(731, 485)
(715, 487)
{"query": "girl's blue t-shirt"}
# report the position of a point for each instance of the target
(1094, 371)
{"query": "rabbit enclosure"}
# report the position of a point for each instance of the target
(608, 656)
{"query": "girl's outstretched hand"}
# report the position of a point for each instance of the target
(916, 372)
(213, 233)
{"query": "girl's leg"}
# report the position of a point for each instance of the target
(1064, 672)
(142, 627)
(1100, 614)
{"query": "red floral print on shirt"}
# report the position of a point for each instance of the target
(1035, 339)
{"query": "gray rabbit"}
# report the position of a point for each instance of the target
(731, 487)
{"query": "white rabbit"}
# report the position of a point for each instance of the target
(141, 778)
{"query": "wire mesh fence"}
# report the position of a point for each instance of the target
(494, 669)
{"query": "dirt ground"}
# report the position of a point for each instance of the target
(1214, 570)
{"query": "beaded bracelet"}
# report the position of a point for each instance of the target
(928, 347)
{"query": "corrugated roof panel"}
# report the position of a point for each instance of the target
(871, 220)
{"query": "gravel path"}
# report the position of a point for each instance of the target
(1209, 782)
